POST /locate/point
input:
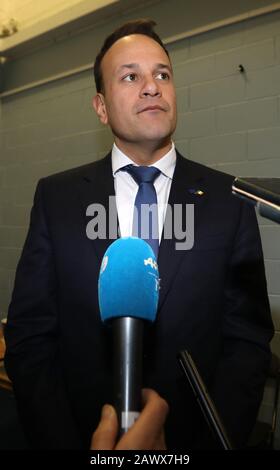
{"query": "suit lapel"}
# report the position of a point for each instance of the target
(187, 181)
(96, 186)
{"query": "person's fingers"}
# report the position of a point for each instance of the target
(147, 432)
(159, 407)
(105, 435)
(152, 399)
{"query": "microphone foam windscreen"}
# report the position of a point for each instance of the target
(128, 284)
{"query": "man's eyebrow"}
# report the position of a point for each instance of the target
(128, 66)
(163, 66)
(137, 66)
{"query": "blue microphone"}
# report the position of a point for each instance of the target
(128, 291)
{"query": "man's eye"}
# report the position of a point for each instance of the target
(163, 76)
(130, 78)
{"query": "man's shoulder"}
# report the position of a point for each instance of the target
(88, 170)
(201, 171)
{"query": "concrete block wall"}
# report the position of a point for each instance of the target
(227, 119)
(42, 132)
(231, 121)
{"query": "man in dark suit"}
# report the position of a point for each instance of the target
(213, 297)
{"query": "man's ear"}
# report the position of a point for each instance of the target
(99, 105)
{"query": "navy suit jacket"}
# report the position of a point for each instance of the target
(213, 302)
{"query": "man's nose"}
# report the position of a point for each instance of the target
(150, 87)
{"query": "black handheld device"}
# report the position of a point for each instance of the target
(204, 400)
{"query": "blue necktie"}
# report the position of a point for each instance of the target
(145, 220)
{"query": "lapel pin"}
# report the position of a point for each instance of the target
(196, 192)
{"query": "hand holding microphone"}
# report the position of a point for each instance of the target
(128, 292)
(147, 433)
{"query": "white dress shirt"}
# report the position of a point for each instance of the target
(126, 188)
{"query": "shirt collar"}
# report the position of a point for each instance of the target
(166, 164)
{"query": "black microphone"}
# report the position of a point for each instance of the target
(127, 344)
(262, 192)
(128, 290)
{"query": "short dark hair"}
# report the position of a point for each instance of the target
(141, 26)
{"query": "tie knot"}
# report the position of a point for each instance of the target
(142, 174)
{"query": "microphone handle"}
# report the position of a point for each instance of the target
(128, 345)
(269, 211)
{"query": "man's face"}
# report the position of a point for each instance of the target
(139, 101)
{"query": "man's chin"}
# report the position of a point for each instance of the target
(155, 138)
(160, 139)
(156, 134)
(154, 142)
